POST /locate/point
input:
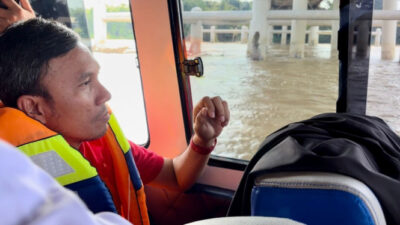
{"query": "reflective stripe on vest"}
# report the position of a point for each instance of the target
(55, 156)
(50, 151)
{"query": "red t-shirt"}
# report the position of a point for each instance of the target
(148, 163)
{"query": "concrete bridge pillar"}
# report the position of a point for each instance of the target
(258, 35)
(298, 33)
(313, 36)
(389, 32)
(335, 29)
(196, 35)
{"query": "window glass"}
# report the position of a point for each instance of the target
(271, 67)
(384, 67)
(106, 28)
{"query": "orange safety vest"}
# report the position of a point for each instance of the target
(51, 152)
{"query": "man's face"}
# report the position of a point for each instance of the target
(77, 107)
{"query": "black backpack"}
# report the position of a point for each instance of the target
(359, 146)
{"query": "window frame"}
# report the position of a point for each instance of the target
(350, 88)
(175, 13)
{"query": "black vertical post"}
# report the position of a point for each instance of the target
(175, 14)
(353, 45)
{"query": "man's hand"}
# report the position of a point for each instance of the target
(210, 115)
(15, 13)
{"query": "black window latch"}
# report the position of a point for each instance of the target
(193, 67)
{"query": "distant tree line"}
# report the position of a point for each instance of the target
(115, 30)
(222, 5)
(119, 30)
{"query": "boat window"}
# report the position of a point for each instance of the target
(383, 78)
(106, 28)
(273, 61)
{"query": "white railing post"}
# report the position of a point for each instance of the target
(298, 33)
(389, 32)
(284, 35)
(212, 34)
(244, 32)
(270, 35)
(99, 26)
(196, 35)
(258, 35)
(313, 36)
(378, 35)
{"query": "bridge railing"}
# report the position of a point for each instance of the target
(274, 18)
(244, 32)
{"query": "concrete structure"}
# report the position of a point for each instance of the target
(212, 34)
(334, 31)
(262, 18)
(287, 4)
(298, 34)
(313, 36)
(259, 38)
(196, 35)
(244, 34)
(378, 35)
(284, 35)
(389, 29)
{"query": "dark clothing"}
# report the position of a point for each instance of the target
(358, 146)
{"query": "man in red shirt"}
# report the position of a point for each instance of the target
(55, 82)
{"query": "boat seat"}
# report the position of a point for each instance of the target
(246, 220)
(316, 198)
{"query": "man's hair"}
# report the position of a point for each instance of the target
(25, 51)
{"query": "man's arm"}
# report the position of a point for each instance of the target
(210, 115)
(15, 13)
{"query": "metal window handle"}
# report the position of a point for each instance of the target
(193, 67)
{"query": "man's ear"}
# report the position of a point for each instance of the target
(33, 106)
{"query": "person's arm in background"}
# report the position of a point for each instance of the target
(28, 195)
(15, 13)
(210, 116)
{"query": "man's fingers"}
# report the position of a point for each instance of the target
(208, 103)
(15, 12)
(196, 110)
(26, 5)
(227, 113)
(216, 109)
(219, 108)
(11, 4)
(200, 117)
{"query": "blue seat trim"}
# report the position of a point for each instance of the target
(95, 194)
(310, 206)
